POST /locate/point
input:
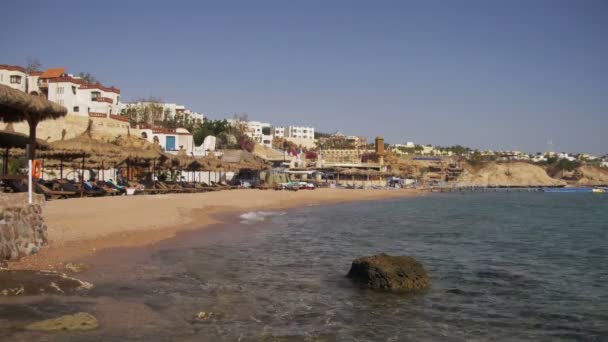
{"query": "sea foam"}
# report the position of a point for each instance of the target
(259, 216)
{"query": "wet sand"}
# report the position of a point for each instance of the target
(78, 228)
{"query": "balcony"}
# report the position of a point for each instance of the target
(98, 115)
(102, 99)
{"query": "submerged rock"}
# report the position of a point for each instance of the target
(78, 321)
(386, 272)
(25, 282)
(76, 267)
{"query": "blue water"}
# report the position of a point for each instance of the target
(506, 266)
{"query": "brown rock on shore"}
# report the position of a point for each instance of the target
(386, 272)
(78, 321)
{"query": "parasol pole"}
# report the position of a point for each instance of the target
(82, 178)
(29, 174)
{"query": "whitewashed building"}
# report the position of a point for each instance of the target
(171, 109)
(171, 140)
(13, 76)
(279, 132)
(260, 132)
(301, 132)
(300, 135)
(77, 95)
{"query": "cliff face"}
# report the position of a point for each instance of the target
(592, 175)
(506, 174)
(22, 228)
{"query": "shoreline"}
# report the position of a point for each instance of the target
(79, 228)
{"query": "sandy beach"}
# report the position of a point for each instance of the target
(78, 228)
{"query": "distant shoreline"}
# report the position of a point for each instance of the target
(79, 228)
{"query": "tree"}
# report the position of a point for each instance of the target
(89, 78)
(32, 65)
(144, 113)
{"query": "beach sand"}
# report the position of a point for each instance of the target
(78, 228)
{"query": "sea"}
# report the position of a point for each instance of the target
(503, 267)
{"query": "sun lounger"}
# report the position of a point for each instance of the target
(108, 186)
(53, 194)
(16, 185)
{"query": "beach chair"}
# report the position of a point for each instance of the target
(53, 194)
(16, 185)
(109, 188)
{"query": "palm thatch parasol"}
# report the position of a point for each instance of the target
(133, 147)
(84, 144)
(94, 153)
(11, 139)
(17, 106)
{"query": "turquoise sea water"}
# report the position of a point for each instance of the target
(506, 266)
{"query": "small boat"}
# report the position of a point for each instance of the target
(567, 190)
(598, 190)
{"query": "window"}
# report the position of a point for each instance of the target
(74, 90)
(76, 109)
(95, 94)
(60, 102)
(15, 79)
(59, 90)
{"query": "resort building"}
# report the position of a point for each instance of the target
(77, 95)
(300, 135)
(260, 132)
(169, 110)
(279, 132)
(13, 76)
(171, 140)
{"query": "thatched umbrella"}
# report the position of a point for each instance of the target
(134, 148)
(83, 146)
(9, 139)
(17, 106)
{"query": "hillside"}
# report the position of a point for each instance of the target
(592, 175)
(506, 174)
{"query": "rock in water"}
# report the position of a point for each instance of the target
(386, 272)
(25, 282)
(79, 321)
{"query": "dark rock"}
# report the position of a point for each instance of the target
(25, 282)
(386, 272)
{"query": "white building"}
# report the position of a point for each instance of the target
(300, 135)
(301, 132)
(171, 109)
(279, 132)
(171, 140)
(260, 132)
(74, 93)
(13, 76)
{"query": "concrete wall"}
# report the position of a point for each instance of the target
(22, 228)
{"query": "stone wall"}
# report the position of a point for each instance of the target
(103, 128)
(22, 228)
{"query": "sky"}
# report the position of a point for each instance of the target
(516, 75)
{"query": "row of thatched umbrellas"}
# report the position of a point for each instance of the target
(17, 106)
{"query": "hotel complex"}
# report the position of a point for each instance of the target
(102, 104)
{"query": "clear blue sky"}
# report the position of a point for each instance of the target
(486, 74)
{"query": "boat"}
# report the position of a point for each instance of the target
(568, 190)
(598, 190)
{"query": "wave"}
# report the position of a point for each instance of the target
(259, 216)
